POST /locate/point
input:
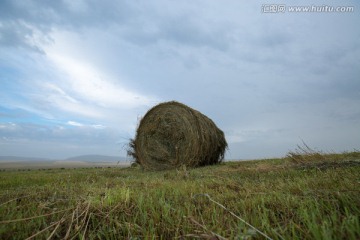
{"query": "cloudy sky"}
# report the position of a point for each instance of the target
(77, 75)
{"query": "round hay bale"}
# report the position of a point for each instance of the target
(172, 134)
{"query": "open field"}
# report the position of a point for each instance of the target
(32, 165)
(302, 196)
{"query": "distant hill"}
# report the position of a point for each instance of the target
(97, 158)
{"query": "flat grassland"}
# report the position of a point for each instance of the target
(42, 165)
(301, 196)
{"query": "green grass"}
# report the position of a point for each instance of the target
(302, 196)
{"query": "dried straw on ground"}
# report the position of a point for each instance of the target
(172, 134)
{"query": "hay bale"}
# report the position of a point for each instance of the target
(172, 134)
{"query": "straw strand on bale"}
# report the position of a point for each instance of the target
(172, 134)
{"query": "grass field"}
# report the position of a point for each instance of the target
(42, 165)
(303, 196)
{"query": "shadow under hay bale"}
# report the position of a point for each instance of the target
(172, 134)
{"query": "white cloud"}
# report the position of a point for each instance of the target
(76, 124)
(55, 98)
(93, 126)
(9, 126)
(87, 81)
(98, 126)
